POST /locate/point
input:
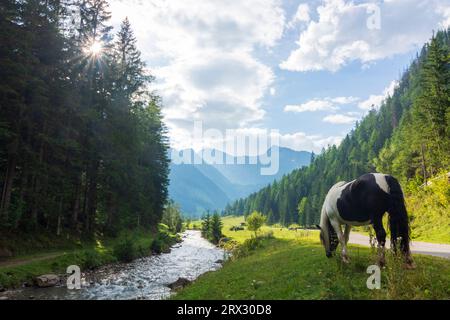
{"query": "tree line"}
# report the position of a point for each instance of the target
(83, 145)
(409, 137)
(212, 227)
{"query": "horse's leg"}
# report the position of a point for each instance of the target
(348, 229)
(381, 239)
(342, 241)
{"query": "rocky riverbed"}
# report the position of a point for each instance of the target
(149, 278)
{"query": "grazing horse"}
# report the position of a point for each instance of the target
(363, 202)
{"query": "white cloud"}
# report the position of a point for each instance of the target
(226, 141)
(302, 15)
(340, 119)
(273, 91)
(345, 100)
(341, 34)
(311, 106)
(326, 104)
(303, 142)
(202, 54)
(375, 101)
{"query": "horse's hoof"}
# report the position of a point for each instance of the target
(346, 260)
(410, 266)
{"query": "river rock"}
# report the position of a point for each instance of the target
(47, 281)
(179, 284)
(4, 298)
(219, 261)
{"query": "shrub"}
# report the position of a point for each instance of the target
(162, 243)
(125, 250)
(92, 259)
(255, 222)
(246, 248)
(157, 246)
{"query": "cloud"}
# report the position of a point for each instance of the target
(341, 33)
(340, 119)
(345, 100)
(302, 15)
(301, 141)
(326, 104)
(227, 141)
(375, 101)
(311, 106)
(202, 54)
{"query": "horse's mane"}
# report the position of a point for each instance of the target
(340, 184)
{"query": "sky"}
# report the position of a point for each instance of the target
(309, 69)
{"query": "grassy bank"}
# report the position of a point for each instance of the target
(429, 208)
(293, 266)
(88, 255)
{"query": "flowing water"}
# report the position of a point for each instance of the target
(146, 278)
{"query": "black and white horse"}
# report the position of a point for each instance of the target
(362, 202)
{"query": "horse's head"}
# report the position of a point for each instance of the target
(328, 238)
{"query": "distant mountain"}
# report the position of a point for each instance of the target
(200, 187)
(251, 174)
(194, 191)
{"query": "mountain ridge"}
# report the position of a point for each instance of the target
(224, 182)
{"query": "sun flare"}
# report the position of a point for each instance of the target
(95, 48)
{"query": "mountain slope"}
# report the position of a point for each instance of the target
(201, 187)
(410, 130)
(289, 160)
(195, 192)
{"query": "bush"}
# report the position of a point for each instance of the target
(125, 250)
(162, 243)
(158, 246)
(247, 248)
(255, 222)
(91, 260)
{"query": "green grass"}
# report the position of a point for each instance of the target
(293, 266)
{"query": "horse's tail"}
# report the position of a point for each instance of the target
(398, 216)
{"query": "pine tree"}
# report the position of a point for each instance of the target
(80, 153)
(206, 225)
(216, 228)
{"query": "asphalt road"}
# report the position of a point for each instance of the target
(431, 249)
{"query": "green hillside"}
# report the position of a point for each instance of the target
(409, 137)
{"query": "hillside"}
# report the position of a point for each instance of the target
(409, 137)
(201, 187)
(194, 191)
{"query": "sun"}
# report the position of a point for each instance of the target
(95, 48)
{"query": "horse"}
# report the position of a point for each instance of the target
(361, 202)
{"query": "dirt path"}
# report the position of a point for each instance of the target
(22, 261)
(431, 249)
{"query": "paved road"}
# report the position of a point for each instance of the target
(431, 249)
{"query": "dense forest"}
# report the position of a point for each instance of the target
(83, 146)
(409, 137)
